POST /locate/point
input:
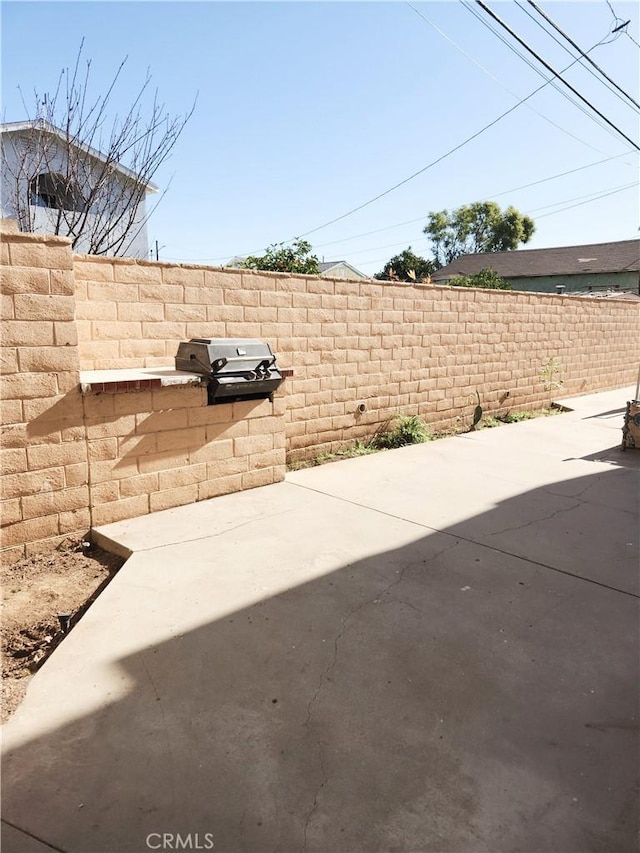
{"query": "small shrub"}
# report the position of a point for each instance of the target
(551, 375)
(407, 429)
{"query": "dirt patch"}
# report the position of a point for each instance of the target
(43, 598)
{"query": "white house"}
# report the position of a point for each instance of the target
(53, 185)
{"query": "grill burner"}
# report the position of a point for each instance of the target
(234, 369)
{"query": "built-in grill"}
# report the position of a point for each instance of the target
(234, 369)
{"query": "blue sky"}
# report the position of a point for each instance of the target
(308, 110)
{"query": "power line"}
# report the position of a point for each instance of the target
(588, 196)
(584, 199)
(486, 195)
(513, 48)
(589, 200)
(498, 81)
(543, 14)
(424, 216)
(439, 159)
(596, 198)
(621, 25)
(557, 74)
(424, 168)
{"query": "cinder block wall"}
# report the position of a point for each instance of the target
(72, 461)
(390, 348)
(151, 450)
(417, 349)
(45, 493)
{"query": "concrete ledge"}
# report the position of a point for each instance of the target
(134, 379)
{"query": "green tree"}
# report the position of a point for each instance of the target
(281, 258)
(485, 278)
(406, 266)
(478, 227)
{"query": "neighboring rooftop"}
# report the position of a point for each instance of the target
(340, 269)
(618, 256)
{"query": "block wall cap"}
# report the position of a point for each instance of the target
(134, 379)
(14, 235)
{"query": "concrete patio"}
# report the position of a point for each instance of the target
(429, 649)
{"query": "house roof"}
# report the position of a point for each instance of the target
(327, 266)
(561, 260)
(47, 127)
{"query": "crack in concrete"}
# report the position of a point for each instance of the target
(241, 824)
(210, 535)
(537, 520)
(577, 497)
(315, 801)
(31, 835)
(325, 674)
(166, 731)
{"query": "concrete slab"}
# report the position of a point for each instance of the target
(19, 842)
(363, 658)
(526, 489)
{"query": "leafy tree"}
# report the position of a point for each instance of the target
(485, 278)
(406, 266)
(478, 227)
(72, 161)
(281, 258)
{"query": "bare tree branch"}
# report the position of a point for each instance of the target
(77, 173)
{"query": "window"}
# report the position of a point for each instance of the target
(51, 189)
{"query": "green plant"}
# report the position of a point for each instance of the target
(514, 417)
(550, 375)
(488, 422)
(487, 279)
(407, 429)
(296, 258)
(407, 266)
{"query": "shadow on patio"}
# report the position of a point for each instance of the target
(445, 695)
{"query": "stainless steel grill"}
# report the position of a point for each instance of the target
(234, 369)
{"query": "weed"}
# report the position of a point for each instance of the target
(488, 422)
(410, 429)
(407, 429)
(550, 375)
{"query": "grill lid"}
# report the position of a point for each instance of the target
(224, 355)
(235, 369)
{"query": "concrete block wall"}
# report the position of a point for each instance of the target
(155, 449)
(71, 461)
(361, 351)
(44, 482)
(416, 349)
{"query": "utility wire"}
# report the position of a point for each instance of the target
(588, 201)
(584, 199)
(557, 74)
(486, 195)
(544, 15)
(498, 81)
(588, 196)
(428, 166)
(442, 157)
(552, 213)
(513, 48)
(621, 25)
(424, 216)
